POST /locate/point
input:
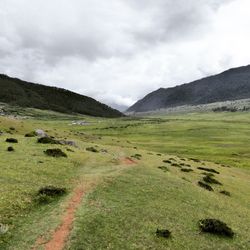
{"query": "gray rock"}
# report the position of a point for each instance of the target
(41, 133)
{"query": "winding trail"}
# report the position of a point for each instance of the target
(61, 234)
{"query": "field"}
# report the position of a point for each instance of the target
(143, 177)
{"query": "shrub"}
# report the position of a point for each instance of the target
(11, 140)
(225, 193)
(163, 233)
(31, 134)
(209, 170)
(47, 140)
(216, 227)
(211, 180)
(164, 168)
(56, 152)
(167, 161)
(10, 149)
(49, 193)
(205, 186)
(92, 149)
(187, 170)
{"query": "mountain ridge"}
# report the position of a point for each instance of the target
(15, 91)
(232, 84)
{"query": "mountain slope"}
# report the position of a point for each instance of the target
(233, 84)
(21, 93)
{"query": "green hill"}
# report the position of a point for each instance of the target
(25, 94)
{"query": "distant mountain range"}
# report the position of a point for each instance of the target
(233, 84)
(25, 94)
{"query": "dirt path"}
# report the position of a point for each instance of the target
(61, 234)
(127, 161)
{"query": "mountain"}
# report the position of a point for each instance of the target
(25, 94)
(233, 84)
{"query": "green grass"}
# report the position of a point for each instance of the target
(125, 204)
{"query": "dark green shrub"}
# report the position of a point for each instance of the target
(209, 170)
(31, 134)
(11, 140)
(56, 152)
(163, 233)
(216, 227)
(211, 180)
(205, 186)
(47, 140)
(92, 149)
(10, 149)
(225, 193)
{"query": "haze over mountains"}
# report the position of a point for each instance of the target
(25, 94)
(233, 84)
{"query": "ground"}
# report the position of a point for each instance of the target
(133, 185)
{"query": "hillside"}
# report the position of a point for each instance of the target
(25, 94)
(233, 84)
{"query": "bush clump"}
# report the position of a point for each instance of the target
(47, 140)
(167, 161)
(225, 193)
(49, 193)
(11, 140)
(31, 134)
(163, 233)
(137, 156)
(216, 227)
(10, 149)
(211, 170)
(211, 180)
(163, 168)
(187, 170)
(55, 152)
(205, 186)
(92, 149)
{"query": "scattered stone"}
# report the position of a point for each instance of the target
(12, 128)
(214, 226)
(10, 149)
(3, 228)
(211, 170)
(211, 180)
(41, 133)
(11, 140)
(205, 186)
(56, 152)
(225, 193)
(187, 170)
(92, 149)
(68, 143)
(158, 154)
(163, 233)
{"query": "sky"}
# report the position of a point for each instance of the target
(117, 51)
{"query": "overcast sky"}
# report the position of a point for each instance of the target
(119, 50)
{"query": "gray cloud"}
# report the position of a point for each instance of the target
(118, 50)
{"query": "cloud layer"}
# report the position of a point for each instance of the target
(119, 50)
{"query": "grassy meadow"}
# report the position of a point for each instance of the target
(126, 202)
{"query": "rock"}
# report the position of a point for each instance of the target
(41, 133)
(69, 143)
